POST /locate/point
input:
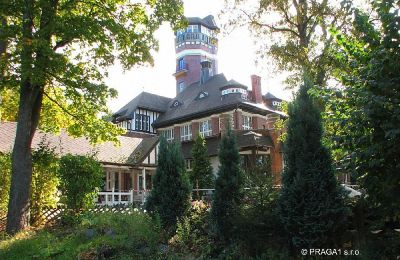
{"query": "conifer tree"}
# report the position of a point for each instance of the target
(202, 173)
(170, 196)
(228, 189)
(311, 203)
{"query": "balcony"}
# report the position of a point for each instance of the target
(196, 37)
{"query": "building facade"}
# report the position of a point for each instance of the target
(207, 104)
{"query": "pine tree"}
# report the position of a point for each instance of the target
(311, 203)
(170, 196)
(228, 189)
(202, 173)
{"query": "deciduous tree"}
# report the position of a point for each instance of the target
(58, 50)
(295, 33)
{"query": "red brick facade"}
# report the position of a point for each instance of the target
(215, 125)
(256, 89)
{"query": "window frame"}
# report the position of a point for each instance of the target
(186, 132)
(205, 131)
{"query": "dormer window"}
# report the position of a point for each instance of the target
(233, 90)
(176, 103)
(192, 28)
(202, 95)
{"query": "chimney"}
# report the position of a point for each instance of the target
(256, 89)
(206, 71)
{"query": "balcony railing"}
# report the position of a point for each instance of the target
(201, 37)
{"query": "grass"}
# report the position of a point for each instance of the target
(112, 235)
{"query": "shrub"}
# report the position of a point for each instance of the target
(5, 181)
(80, 179)
(192, 234)
(44, 182)
(170, 196)
(259, 224)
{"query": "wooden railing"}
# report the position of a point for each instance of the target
(110, 198)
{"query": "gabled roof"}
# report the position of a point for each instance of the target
(207, 21)
(131, 150)
(144, 100)
(191, 107)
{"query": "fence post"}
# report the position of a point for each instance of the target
(112, 197)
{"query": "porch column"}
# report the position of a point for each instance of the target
(119, 181)
(144, 178)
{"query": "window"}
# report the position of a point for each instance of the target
(181, 64)
(168, 134)
(142, 122)
(186, 132)
(192, 29)
(189, 164)
(246, 122)
(205, 128)
(234, 90)
(276, 103)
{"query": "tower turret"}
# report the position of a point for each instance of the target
(197, 43)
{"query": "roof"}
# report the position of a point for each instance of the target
(271, 96)
(207, 21)
(243, 139)
(144, 100)
(189, 107)
(130, 151)
(233, 83)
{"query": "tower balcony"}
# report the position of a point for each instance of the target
(196, 37)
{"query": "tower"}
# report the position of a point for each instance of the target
(194, 45)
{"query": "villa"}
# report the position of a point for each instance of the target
(206, 104)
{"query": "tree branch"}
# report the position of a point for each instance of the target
(271, 27)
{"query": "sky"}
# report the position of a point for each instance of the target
(236, 59)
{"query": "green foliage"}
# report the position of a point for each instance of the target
(311, 203)
(193, 232)
(170, 196)
(202, 172)
(260, 227)
(80, 179)
(44, 181)
(294, 34)
(68, 52)
(228, 194)
(5, 180)
(120, 236)
(365, 113)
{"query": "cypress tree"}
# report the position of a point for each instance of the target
(170, 196)
(228, 189)
(202, 173)
(311, 203)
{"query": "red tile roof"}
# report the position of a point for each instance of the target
(127, 153)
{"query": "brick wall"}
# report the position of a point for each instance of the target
(237, 120)
(276, 158)
(215, 125)
(177, 133)
(195, 130)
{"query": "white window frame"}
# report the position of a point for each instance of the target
(247, 122)
(205, 128)
(186, 132)
(168, 134)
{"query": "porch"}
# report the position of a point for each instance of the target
(125, 185)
